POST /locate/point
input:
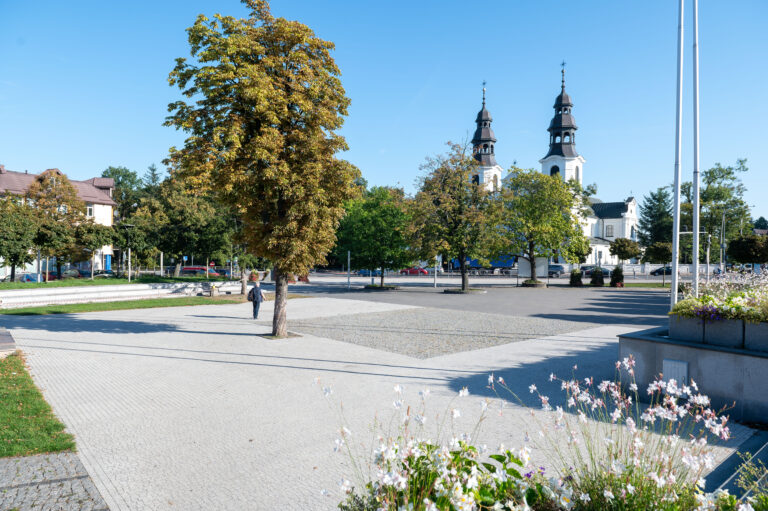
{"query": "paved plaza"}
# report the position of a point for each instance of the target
(192, 408)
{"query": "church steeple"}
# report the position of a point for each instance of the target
(484, 140)
(562, 128)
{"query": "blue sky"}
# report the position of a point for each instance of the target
(83, 85)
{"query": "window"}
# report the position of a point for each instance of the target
(567, 139)
(89, 210)
(554, 171)
(557, 139)
(609, 231)
(476, 179)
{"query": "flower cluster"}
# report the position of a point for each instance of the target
(730, 296)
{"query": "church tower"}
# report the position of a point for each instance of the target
(483, 142)
(562, 159)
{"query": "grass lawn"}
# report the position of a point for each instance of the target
(646, 284)
(27, 424)
(147, 303)
(106, 282)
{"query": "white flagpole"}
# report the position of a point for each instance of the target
(678, 144)
(696, 196)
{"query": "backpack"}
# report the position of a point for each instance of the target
(252, 294)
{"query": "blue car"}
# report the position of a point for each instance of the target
(369, 273)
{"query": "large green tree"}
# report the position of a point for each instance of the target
(761, 223)
(128, 190)
(375, 231)
(60, 212)
(18, 228)
(542, 216)
(748, 249)
(655, 219)
(453, 215)
(625, 249)
(263, 103)
(92, 236)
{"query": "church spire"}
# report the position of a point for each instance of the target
(484, 140)
(562, 128)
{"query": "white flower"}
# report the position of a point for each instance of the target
(455, 413)
(501, 380)
(345, 485)
(630, 489)
(552, 377)
(745, 506)
(701, 482)
(608, 495)
(633, 387)
(325, 493)
(397, 404)
(484, 404)
(532, 388)
(584, 497)
(420, 419)
(490, 379)
(464, 392)
(398, 389)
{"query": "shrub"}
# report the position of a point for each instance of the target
(597, 279)
(617, 277)
(576, 278)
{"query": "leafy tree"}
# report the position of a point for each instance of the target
(761, 223)
(624, 249)
(748, 249)
(655, 222)
(128, 189)
(93, 236)
(659, 253)
(722, 198)
(375, 231)
(455, 216)
(60, 211)
(18, 225)
(264, 104)
(151, 180)
(577, 250)
(542, 217)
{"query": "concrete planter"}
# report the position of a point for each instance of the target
(727, 332)
(686, 329)
(756, 336)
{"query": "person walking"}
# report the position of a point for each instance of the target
(256, 296)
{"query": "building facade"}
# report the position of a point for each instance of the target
(96, 193)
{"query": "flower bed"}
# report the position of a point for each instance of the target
(607, 453)
(731, 311)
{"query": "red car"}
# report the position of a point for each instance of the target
(413, 271)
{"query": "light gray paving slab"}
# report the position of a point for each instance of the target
(188, 408)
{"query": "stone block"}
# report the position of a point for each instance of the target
(756, 336)
(686, 329)
(726, 332)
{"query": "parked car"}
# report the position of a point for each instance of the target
(665, 270)
(71, 273)
(197, 271)
(104, 274)
(555, 270)
(587, 270)
(414, 271)
(369, 273)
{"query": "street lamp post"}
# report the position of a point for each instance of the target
(128, 241)
(678, 144)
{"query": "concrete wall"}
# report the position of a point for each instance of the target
(726, 375)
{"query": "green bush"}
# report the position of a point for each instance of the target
(576, 278)
(597, 280)
(617, 277)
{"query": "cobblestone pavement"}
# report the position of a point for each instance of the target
(189, 408)
(425, 332)
(48, 482)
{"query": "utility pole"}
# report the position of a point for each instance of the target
(678, 144)
(696, 194)
(349, 274)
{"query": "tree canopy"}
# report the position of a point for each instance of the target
(456, 217)
(19, 226)
(655, 219)
(748, 249)
(263, 103)
(660, 253)
(375, 231)
(624, 249)
(541, 217)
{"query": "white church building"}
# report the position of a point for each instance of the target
(607, 221)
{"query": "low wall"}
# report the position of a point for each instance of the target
(730, 377)
(15, 298)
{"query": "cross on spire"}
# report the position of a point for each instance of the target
(484, 92)
(562, 72)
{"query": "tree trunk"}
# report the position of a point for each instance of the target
(58, 268)
(464, 272)
(280, 319)
(244, 282)
(206, 268)
(532, 260)
(47, 268)
(93, 263)
(13, 272)
(382, 277)
(177, 269)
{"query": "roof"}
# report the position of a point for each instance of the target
(17, 183)
(560, 149)
(486, 159)
(609, 209)
(563, 99)
(761, 232)
(483, 114)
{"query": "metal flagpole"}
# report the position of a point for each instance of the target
(678, 144)
(696, 197)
